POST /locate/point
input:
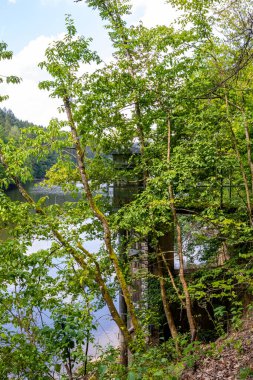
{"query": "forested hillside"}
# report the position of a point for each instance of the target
(11, 128)
(169, 123)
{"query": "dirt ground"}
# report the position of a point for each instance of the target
(231, 359)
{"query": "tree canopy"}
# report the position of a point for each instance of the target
(182, 95)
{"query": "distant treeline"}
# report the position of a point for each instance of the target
(10, 127)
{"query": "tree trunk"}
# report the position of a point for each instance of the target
(173, 281)
(102, 218)
(248, 144)
(123, 343)
(166, 305)
(188, 305)
(238, 155)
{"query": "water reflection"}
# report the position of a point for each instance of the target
(107, 331)
(55, 195)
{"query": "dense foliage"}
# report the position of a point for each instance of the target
(183, 96)
(11, 129)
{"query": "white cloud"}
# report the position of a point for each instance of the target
(154, 12)
(12, 1)
(25, 99)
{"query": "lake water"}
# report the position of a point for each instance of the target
(107, 331)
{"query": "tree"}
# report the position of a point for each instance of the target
(6, 54)
(63, 63)
(184, 96)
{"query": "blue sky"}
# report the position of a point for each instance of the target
(25, 20)
(28, 26)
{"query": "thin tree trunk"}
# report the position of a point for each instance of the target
(69, 366)
(107, 297)
(166, 305)
(188, 305)
(173, 281)
(248, 144)
(86, 354)
(102, 218)
(123, 345)
(238, 155)
(244, 177)
(69, 371)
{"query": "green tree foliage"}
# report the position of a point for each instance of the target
(6, 54)
(44, 324)
(11, 128)
(183, 96)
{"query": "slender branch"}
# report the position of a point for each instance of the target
(166, 305)
(173, 281)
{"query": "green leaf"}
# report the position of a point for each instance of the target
(57, 368)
